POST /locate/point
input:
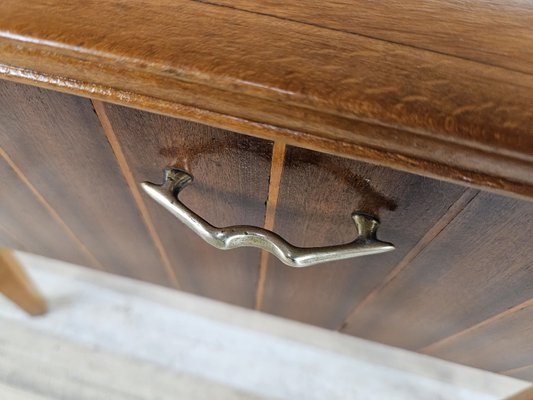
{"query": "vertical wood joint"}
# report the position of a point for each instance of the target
(99, 109)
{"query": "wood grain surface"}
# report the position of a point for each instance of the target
(501, 345)
(26, 224)
(418, 108)
(487, 31)
(458, 286)
(477, 268)
(57, 142)
(231, 175)
(318, 193)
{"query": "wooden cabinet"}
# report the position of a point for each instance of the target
(461, 267)
(289, 118)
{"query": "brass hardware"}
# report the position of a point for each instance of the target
(232, 237)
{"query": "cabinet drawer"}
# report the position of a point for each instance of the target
(461, 272)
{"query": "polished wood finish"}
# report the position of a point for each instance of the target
(231, 174)
(501, 344)
(27, 222)
(443, 89)
(458, 282)
(276, 172)
(487, 31)
(317, 196)
(478, 267)
(436, 111)
(450, 214)
(17, 287)
(57, 142)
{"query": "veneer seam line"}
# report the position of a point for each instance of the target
(12, 237)
(519, 307)
(432, 233)
(53, 213)
(134, 190)
(276, 172)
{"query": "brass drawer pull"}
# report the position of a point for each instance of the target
(251, 236)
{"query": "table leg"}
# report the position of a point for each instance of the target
(17, 286)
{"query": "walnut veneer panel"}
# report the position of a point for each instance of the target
(502, 344)
(57, 142)
(318, 193)
(458, 286)
(230, 187)
(479, 267)
(26, 224)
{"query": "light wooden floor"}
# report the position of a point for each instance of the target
(112, 338)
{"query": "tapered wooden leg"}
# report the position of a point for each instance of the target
(527, 394)
(17, 286)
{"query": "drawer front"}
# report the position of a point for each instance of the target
(231, 174)
(86, 173)
(459, 284)
(317, 194)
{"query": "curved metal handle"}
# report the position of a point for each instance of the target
(251, 236)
